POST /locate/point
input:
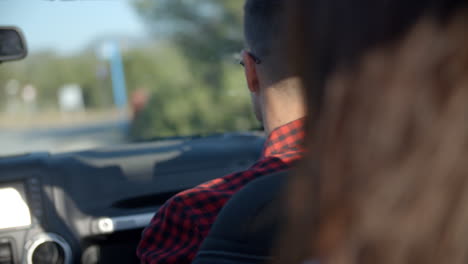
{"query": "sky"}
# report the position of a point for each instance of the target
(68, 26)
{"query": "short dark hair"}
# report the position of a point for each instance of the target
(262, 25)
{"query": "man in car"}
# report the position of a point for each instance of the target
(182, 223)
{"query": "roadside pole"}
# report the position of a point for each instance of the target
(110, 51)
(118, 78)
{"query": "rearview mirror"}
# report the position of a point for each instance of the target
(12, 44)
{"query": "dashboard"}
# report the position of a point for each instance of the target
(91, 206)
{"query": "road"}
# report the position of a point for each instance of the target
(63, 139)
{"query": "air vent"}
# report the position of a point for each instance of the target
(48, 248)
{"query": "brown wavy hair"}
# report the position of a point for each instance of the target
(386, 177)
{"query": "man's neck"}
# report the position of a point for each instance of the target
(282, 105)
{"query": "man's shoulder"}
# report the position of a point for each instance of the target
(200, 196)
(218, 190)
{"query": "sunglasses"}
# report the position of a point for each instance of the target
(255, 58)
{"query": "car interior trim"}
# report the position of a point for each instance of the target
(108, 225)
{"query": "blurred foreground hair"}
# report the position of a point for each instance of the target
(386, 177)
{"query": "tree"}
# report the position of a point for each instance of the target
(198, 40)
(49, 72)
(206, 32)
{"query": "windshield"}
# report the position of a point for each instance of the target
(103, 72)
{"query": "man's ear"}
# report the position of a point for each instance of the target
(251, 72)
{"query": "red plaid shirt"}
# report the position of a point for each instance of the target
(182, 223)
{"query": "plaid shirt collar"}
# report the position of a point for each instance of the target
(286, 138)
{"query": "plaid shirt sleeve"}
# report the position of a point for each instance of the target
(175, 239)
